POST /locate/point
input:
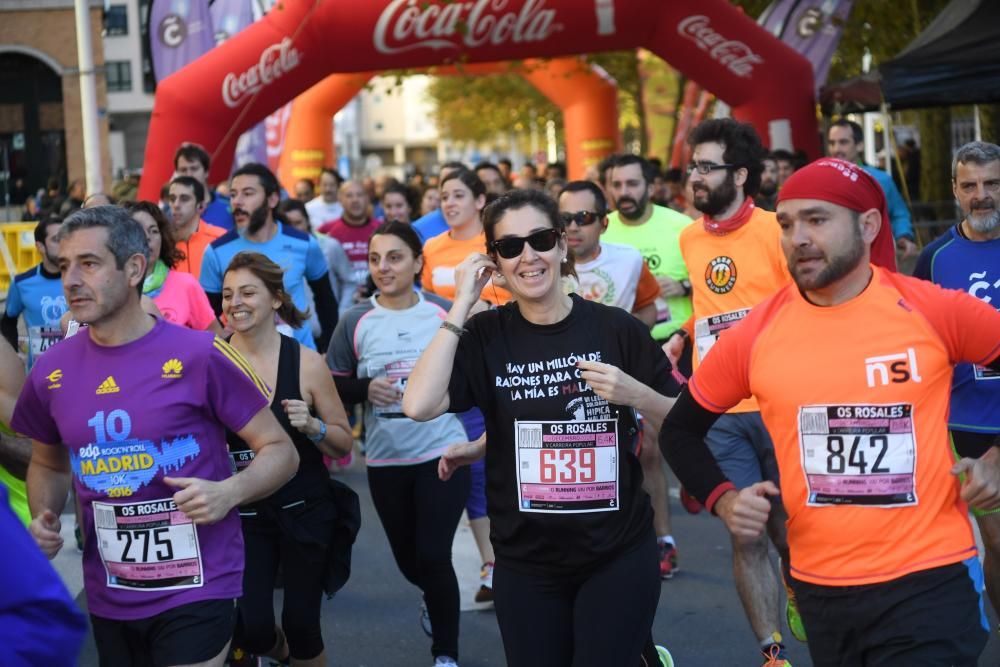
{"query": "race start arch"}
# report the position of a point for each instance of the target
(300, 42)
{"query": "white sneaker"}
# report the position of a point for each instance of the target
(445, 661)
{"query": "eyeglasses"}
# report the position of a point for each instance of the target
(706, 168)
(513, 246)
(581, 218)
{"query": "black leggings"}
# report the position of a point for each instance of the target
(584, 619)
(420, 514)
(303, 567)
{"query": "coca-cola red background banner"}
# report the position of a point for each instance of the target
(225, 92)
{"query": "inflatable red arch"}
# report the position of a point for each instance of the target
(301, 42)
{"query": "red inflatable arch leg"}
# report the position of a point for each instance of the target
(309, 137)
(300, 42)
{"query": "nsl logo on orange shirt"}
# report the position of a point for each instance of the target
(892, 368)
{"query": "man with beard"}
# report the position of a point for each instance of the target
(852, 368)
(254, 196)
(354, 228)
(846, 141)
(734, 252)
(37, 295)
(967, 258)
(653, 231)
(767, 194)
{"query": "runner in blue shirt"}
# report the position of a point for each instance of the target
(38, 295)
(254, 196)
(967, 258)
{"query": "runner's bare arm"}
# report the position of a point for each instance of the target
(275, 461)
(460, 454)
(15, 454)
(426, 394)
(646, 314)
(319, 386)
(11, 380)
(48, 483)
(616, 386)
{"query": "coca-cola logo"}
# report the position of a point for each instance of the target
(275, 61)
(736, 56)
(405, 25)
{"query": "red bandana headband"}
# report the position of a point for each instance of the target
(849, 185)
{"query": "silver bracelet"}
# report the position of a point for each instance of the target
(457, 330)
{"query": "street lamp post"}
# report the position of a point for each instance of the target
(88, 100)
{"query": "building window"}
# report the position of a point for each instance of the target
(119, 76)
(116, 20)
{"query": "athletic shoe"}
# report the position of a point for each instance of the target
(792, 615)
(666, 660)
(425, 619)
(794, 619)
(485, 592)
(689, 502)
(445, 661)
(239, 657)
(668, 560)
(775, 655)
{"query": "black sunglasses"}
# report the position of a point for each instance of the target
(706, 168)
(513, 246)
(581, 218)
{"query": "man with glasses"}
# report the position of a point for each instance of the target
(653, 231)
(734, 254)
(608, 273)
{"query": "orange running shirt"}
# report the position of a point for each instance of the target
(855, 397)
(194, 247)
(730, 274)
(442, 254)
(648, 289)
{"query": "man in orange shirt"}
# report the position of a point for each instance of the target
(187, 203)
(733, 255)
(852, 368)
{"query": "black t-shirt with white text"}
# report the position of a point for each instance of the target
(563, 483)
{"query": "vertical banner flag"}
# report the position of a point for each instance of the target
(263, 142)
(179, 31)
(229, 17)
(811, 27)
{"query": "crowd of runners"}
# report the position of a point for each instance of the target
(524, 351)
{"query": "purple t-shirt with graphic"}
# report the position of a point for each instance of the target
(129, 415)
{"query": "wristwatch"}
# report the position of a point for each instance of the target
(322, 432)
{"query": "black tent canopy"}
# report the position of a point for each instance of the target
(955, 61)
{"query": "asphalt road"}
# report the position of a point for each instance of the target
(373, 621)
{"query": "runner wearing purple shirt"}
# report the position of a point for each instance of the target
(135, 411)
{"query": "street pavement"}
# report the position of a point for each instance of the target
(374, 620)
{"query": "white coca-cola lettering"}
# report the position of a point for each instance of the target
(275, 61)
(405, 25)
(736, 56)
